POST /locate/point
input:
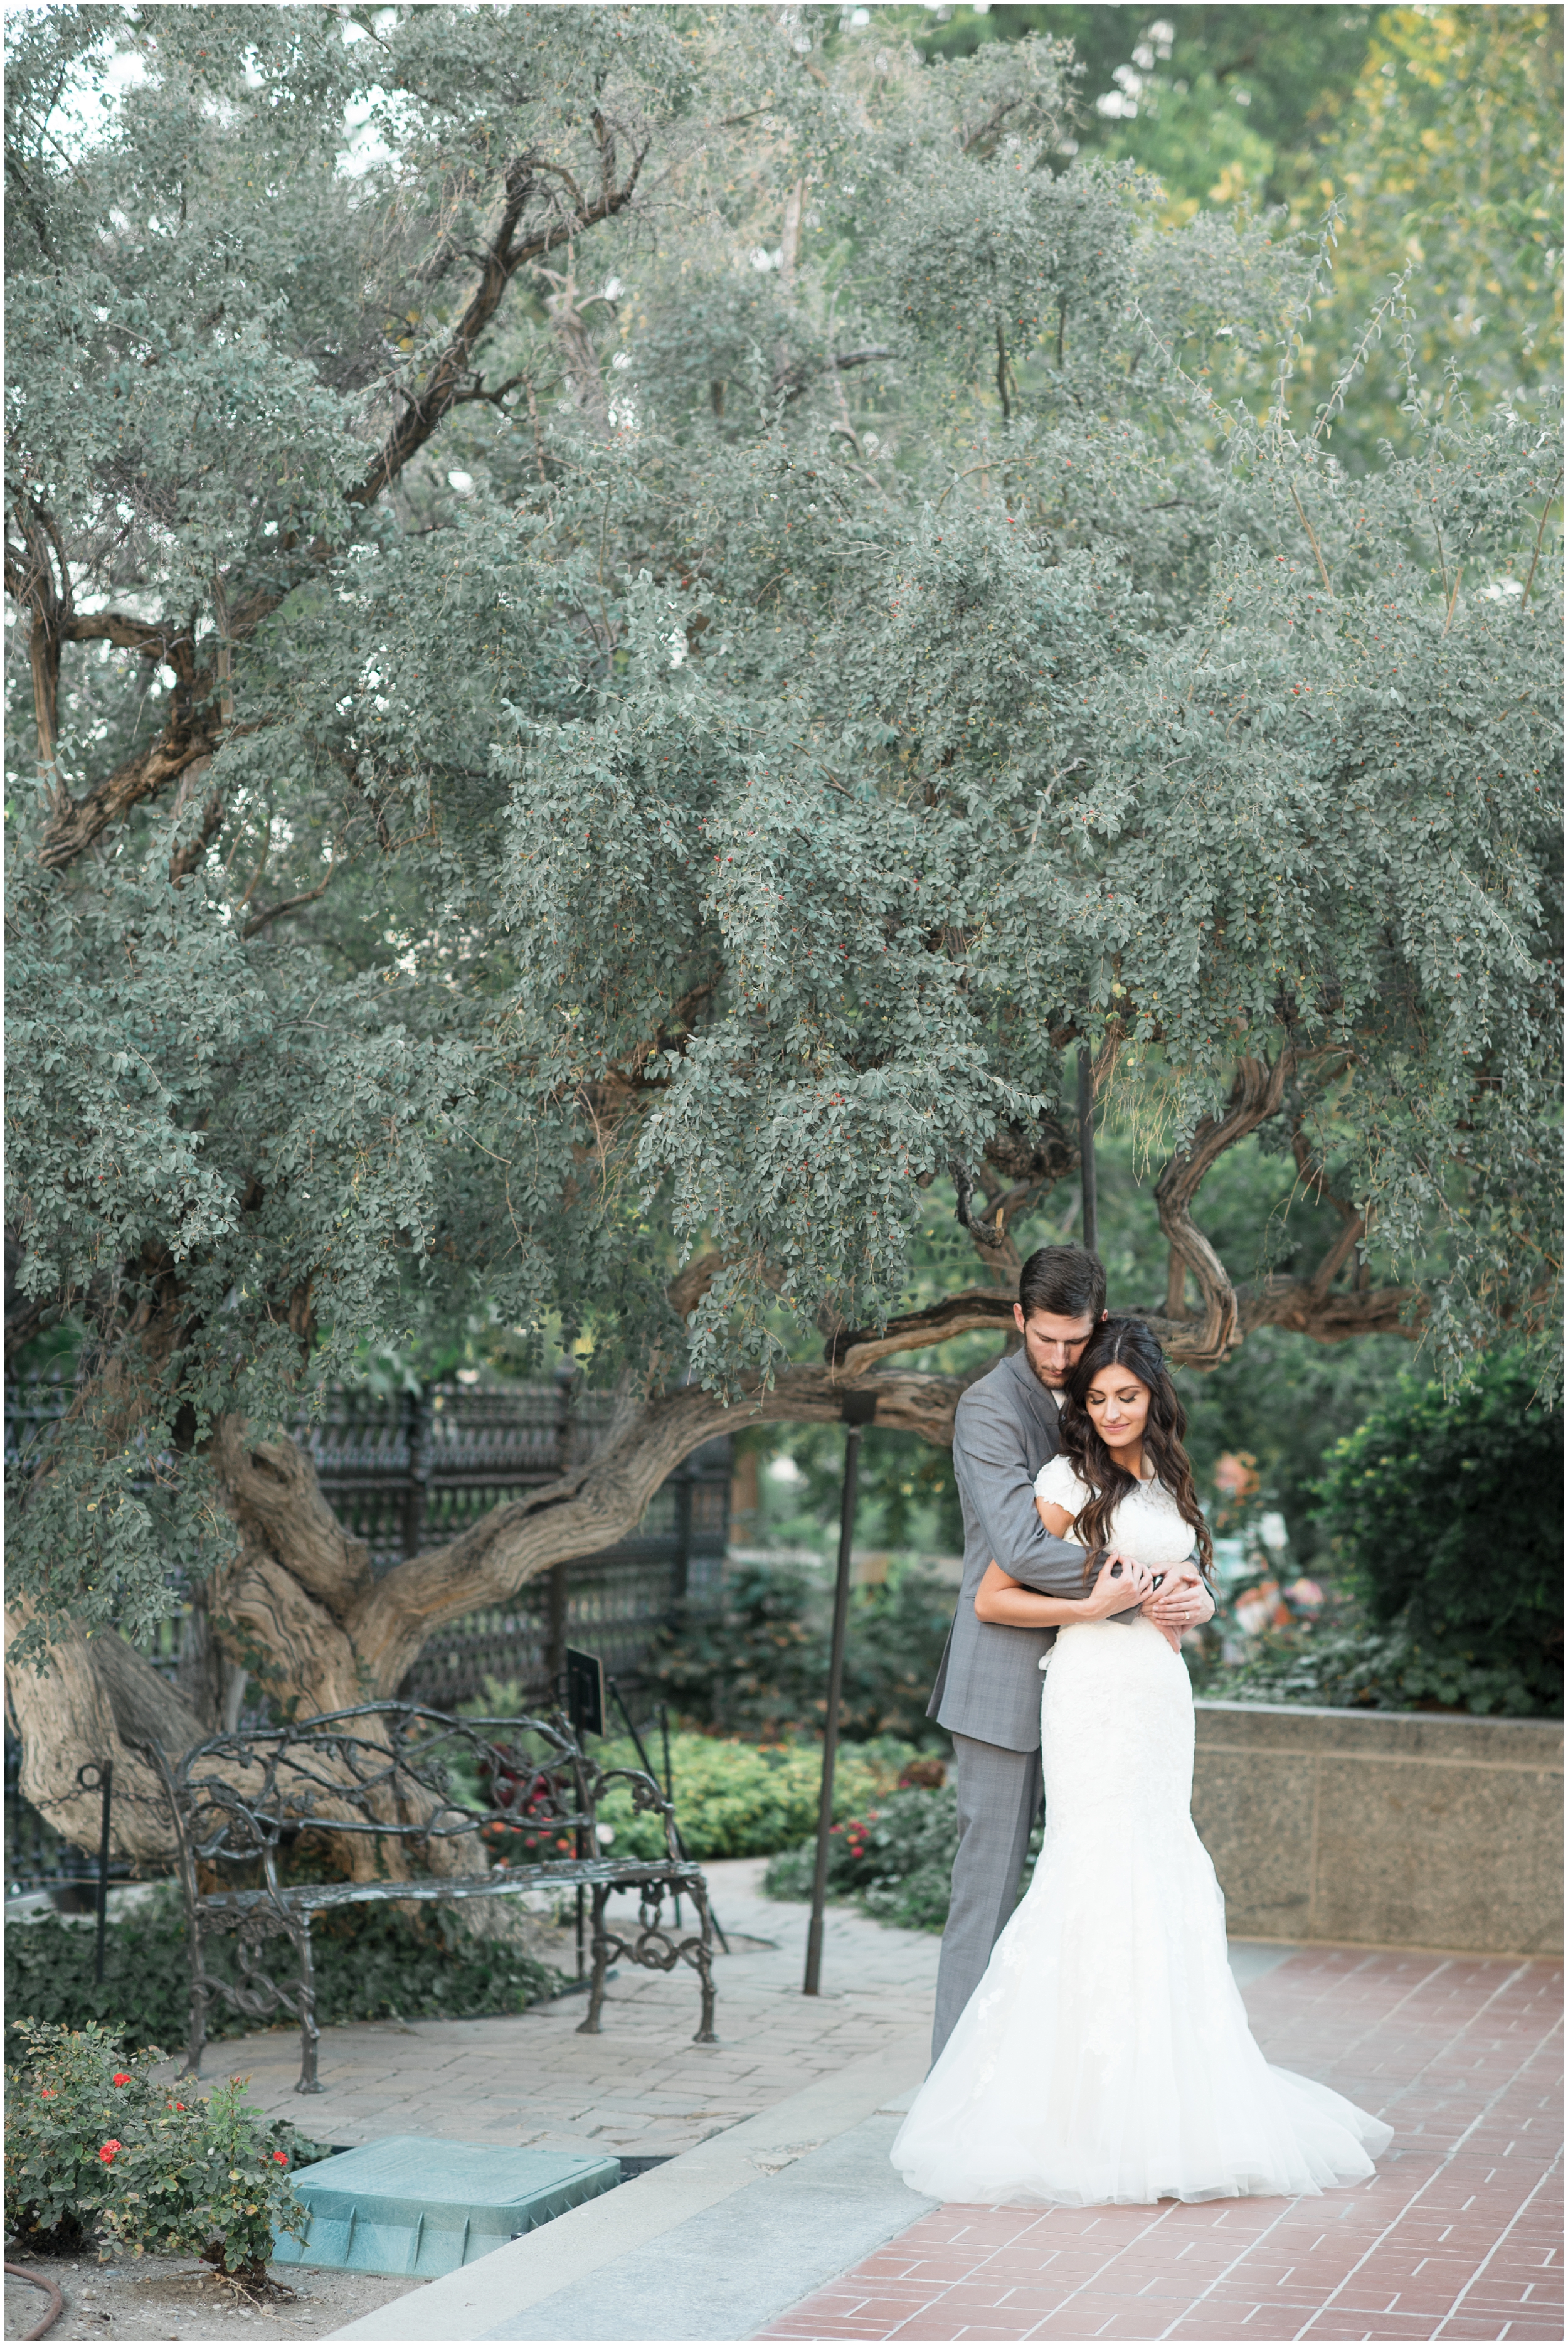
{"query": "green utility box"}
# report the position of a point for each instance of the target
(411, 2206)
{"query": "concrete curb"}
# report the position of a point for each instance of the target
(728, 2272)
(810, 2192)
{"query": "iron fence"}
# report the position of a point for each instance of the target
(36, 1858)
(406, 1473)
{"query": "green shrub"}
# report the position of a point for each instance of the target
(894, 1859)
(70, 2093)
(91, 2139)
(732, 1798)
(374, 1963)
(738, 1799)
(755, 1663)
(1344, 1664)
(370, 1964)
(1448, 1515)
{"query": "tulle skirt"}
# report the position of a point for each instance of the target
(1105, 2057)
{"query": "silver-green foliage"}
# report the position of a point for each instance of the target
(607, 810)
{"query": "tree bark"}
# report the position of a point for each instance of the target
(95, 1698)
(578, 355)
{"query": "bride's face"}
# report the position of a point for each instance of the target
(1117, 1406)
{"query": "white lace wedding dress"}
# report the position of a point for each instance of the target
(1105, 2057)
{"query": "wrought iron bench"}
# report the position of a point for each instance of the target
(428, 1809)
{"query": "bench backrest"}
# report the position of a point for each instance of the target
(401, 1775)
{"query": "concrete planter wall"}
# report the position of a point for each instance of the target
(1383, 1829)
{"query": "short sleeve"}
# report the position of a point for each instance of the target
(1058, 1485)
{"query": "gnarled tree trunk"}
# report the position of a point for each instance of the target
(300, 1612)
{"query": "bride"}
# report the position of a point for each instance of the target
(1105, 2057)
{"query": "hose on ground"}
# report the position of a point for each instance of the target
(57, 2301)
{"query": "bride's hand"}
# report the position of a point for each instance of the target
(1182, 1603)
(1116, 1591)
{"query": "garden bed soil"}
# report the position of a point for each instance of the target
(172, 2297)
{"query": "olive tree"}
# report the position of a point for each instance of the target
(637, 632)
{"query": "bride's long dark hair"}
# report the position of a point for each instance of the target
(1128, 1343)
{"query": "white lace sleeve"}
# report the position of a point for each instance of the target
(1059, 1486)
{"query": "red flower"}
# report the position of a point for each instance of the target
(47, 2093)
(109, 2152)
(123, 2078)
(280, 2158)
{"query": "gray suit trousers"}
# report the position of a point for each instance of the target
(998, 1800)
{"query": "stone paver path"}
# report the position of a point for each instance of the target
(1458, 2236)
(642, 2089)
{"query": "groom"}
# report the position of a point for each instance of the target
(987, 1691)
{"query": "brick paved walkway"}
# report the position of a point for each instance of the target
(1458, 2236)
(643, 2088)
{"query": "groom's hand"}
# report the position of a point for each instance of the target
(1120, 1587)
(1180, 1604)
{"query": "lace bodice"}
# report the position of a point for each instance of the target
(1146, 1527)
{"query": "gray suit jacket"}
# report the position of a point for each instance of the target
(988, 1685)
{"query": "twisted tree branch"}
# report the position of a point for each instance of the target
(1307, 1309)
(195, 728)
(991, 1233)
(1255, 1095)
(41, 583)
(604, 1500)
(260, 921)
(503, 258)
(854, 1350)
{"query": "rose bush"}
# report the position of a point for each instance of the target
(69, 2104)
(94, 2143)
(205, 2178)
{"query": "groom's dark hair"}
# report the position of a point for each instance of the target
(1066, 1280)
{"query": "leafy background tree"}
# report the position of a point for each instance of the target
(640, 625)
(1221, 103)
(1437, 130)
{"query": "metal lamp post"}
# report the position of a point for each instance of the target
(859, 1409)
(1086, 1147)
(98, 1775)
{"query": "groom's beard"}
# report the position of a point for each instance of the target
(1056, 1391)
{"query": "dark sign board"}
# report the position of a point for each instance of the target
(584, 1692)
